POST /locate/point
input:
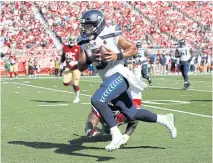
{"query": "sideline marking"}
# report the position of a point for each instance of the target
(55, 105)
(190, 113)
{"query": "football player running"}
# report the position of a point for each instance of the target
(184, 53)
(70, 56)
(116, 78)
(140, 62)
(13, 66)
(71, 72)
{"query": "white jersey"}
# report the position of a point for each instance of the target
(184, 53)
(140, 58)
(109, 38)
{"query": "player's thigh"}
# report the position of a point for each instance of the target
(125, 105)
(186, 67)
(111, 88)
(76, 75)
(67, 75)
(12, 68)
(144, 70)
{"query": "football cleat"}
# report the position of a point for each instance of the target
(126, 138)
(117, 141)
(76, 100)
(150, 82)
(170, 124)
(186, 86)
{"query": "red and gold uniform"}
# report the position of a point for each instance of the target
(13, 63)
(71, 73)
(70, 56)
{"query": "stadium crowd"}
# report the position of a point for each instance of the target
(158, 24)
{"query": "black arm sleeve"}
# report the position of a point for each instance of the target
(63, 57)
(131, 126)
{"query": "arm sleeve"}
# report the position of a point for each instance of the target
(63, 57)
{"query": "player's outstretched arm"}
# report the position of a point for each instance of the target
(131, 126)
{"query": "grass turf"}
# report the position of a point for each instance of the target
(55, 134)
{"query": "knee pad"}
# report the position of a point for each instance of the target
(67, 84)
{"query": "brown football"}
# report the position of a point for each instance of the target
(102, 51)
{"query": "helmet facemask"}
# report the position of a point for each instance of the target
(91, 29)
(71, 42)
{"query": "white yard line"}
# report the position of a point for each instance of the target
(196, 90)
(55, 105)
(56, 90)
(43, 77)
(51, 89)
(179, 111)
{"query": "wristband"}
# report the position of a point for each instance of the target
(88, 61)
(120, 56)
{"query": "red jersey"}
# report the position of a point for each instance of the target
(70, 55)
(13, 60)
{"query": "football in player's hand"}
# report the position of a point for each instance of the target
(102, 51)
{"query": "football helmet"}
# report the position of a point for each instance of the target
(71, 41)
(139, 44)
(182, 42)
(92, 23)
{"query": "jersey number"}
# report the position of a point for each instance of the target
(183, 52)
(70, 56)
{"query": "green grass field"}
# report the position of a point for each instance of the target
(33, 132)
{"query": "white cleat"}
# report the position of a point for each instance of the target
(117, 141)
(126, 138)
(77, 100)
(170, 124)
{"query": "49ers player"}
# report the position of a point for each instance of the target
(94, 118)
(13, 66)
(70, 56)
(71, 72)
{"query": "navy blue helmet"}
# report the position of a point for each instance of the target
(139, 44)
(182, 42)
(92, 23)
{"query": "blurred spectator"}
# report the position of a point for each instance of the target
(57, 66)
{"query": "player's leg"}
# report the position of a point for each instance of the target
(124, 102)
(185, 75)
(67, 77)
(110, 89)
(91, 123)
(144, 70)
(16, 70)
(76, 75)
(11, 72)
